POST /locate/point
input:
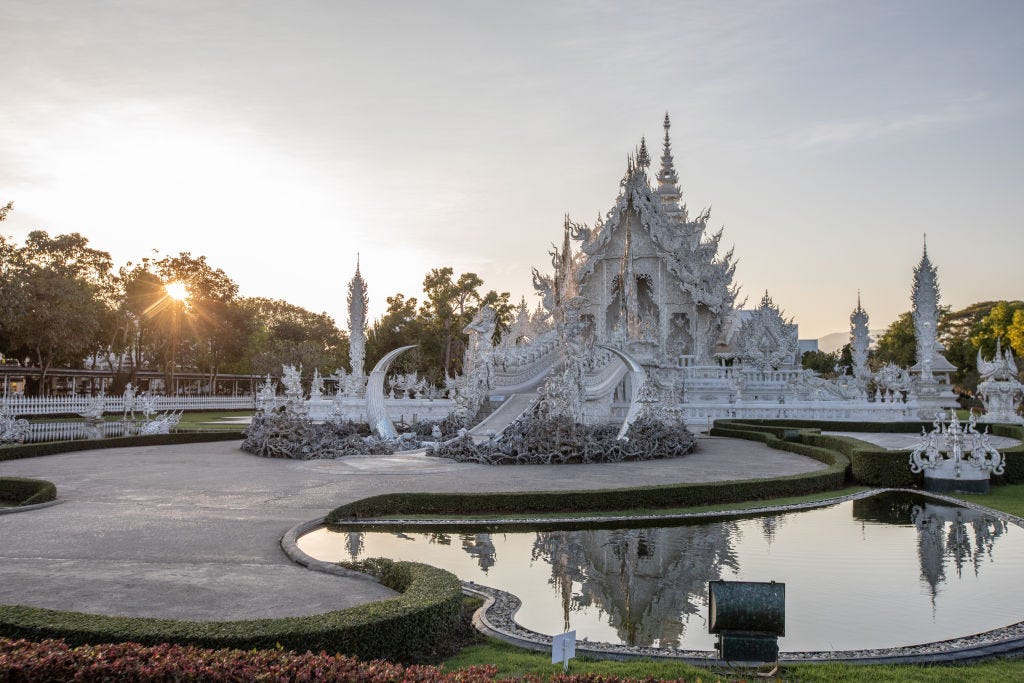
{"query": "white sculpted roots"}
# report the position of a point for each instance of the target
(558, 441)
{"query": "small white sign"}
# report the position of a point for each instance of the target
(563, 648)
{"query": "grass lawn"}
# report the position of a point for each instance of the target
(658, 511)
(1008, 498)
(514, 661)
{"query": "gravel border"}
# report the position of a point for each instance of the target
(496, 617)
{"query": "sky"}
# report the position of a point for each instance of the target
(281, 138)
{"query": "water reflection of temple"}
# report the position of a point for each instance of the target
(647, 581)
(354, 544)
(946, 534)
(480, 547)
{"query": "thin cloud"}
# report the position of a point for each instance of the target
(850, 131)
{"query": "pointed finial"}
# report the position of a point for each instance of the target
(357, 263)
(643, 159)
(926, 245)
(858, 297)
(668, 186)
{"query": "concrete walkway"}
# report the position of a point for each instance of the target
(908, 442)
(192, 531)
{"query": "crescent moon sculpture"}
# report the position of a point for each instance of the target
(637, 377)
(376, 413)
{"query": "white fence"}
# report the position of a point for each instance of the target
(66, 431)
(73, 405)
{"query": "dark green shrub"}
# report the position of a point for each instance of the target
(21, 491)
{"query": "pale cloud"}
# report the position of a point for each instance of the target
(868, 128)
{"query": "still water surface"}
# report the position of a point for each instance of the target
(890, 570)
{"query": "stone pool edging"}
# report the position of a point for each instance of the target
(496, 617)
(27, 508)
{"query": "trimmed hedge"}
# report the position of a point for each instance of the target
(35, 450)
(26, 491)
(663, 496)
(55, 660)
(423, 617)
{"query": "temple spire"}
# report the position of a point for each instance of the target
(860, 342)
(668, 182)
(358, 302)
(643, 158)
(925, 299)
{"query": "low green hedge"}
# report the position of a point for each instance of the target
(34, 450)
(21, 491)
(663, 496)
(424, 616)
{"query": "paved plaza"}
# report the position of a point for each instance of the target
(908, 442)
(192, 531)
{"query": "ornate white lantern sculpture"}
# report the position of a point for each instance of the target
(955, 457)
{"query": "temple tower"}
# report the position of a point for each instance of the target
(357, 304)
(860, 340)
(925, 299)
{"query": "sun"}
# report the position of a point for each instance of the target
(176, 291)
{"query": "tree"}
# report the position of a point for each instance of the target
(821, 362)
(447, 309)
(999, 323)
(897, 344)
(56, 294)
(399, 326)
(282, 333)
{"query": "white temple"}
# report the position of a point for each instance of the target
(645, 296)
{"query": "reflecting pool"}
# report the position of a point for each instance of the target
(884, 571)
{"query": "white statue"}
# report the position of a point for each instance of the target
(128, 397)
(266, 396)
(1000, 390)
(316, 387)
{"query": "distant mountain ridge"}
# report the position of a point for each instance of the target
(837, 340)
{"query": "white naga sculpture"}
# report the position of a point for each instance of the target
(955, 457)
(1000, 390)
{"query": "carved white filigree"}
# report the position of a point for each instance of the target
(12, 428)
(860, 342)
(925, 300)
(1000, 390)
(358, 301)
(767, 341)
(956, 451)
